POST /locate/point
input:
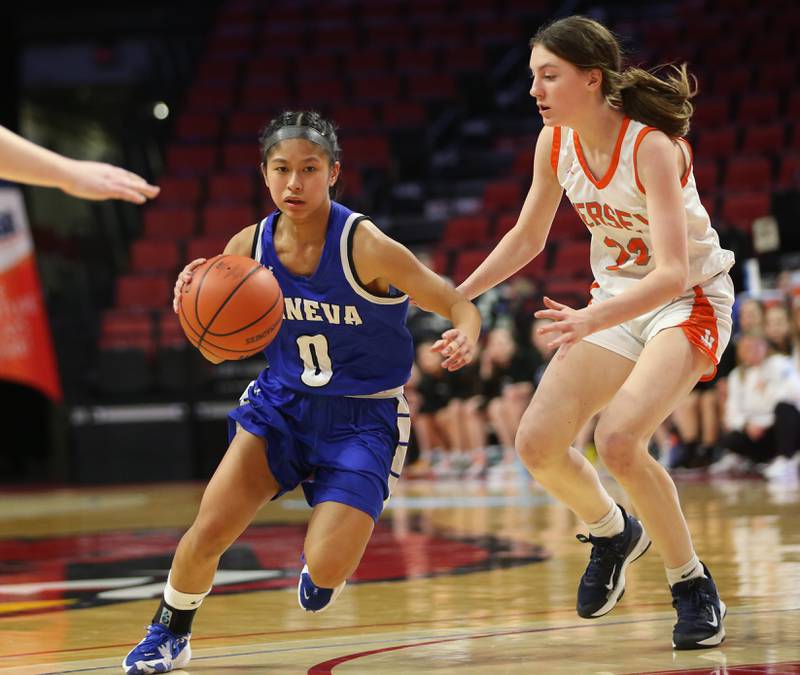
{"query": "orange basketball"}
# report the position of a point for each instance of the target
(232, 308)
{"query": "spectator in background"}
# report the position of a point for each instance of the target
(24, 162)
(506, 372)
(778, 329)
(761, 413)
(750, 315)
(434, 423)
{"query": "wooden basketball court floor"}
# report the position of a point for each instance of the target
(461, 577)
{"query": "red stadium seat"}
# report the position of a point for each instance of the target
(320, 92)
(154, 255)
(241, 156)
(710, 113)
(357, 118)
(264, 96)
(716, 143)
(758, 108)
(793, 105)
(720, 55)
(567, 224)
(794, 143)
(502, 195)
(169, 223)
(198, 127)
(217, 72)
(115, 323)
(764, 139)
(224, 220)
(153, 292)
(376, 89)
(236, 187)
(403, 115)
(366, 151)
(732, 80)
(396, 34)
(705, 175)
(205, 247)
(246, 125)
(572, 258)
(742, 209)
(789, 172)
(440, 261)
(211, 98)
(465, 231)
(535, 269)
(777, 76)
(366, 62)
(178, 190)
(431, 87)
(411, 60)
(191, 159)
(747, 174)
(467, 262)
(573, 292)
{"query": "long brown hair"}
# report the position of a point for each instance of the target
(660, 102)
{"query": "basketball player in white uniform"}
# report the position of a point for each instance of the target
(658, 320)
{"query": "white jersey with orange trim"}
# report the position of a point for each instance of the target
(614, 208)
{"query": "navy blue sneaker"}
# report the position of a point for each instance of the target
(603, 582)
(312, 598)
(700, 613)
(159, 652)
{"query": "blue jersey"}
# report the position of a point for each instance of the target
(337, 338)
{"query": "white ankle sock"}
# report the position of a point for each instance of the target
(610, 524)
(689, 570)
(178, 600)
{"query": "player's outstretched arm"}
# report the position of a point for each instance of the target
(526, 239)
(25, 162)
(378, 257)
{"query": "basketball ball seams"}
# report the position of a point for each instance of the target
(231, 297)
(225, 301)
(278, 299)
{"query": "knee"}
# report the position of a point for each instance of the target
(536, 446)
(209, 537)
(330, 571)
(618, 448)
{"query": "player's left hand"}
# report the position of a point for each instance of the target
(96, 180)
(456, 347)
(568, 325)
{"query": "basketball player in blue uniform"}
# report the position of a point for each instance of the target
(328, 412)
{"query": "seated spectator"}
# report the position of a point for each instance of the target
(761, 413)
(432, 419)
(778, 329)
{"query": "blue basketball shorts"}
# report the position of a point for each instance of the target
(341, 449)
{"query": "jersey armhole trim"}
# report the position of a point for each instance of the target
(639, 139)
(346, 251)
(256, 249)
(689, 157)
(555, 150)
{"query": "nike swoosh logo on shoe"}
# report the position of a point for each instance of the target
(610, 583)
(306, 596)
(715, 621)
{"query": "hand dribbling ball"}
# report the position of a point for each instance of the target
(232, 308)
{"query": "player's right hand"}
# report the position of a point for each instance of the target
(185, 277)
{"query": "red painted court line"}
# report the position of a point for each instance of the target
(195, 640)
(326, 667)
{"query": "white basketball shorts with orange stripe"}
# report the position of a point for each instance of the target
(703, 312)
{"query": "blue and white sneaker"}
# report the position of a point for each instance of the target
(603, 583)
(159, 652)
(700, 613)
(312, 598)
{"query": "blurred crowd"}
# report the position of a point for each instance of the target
(744, 422)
